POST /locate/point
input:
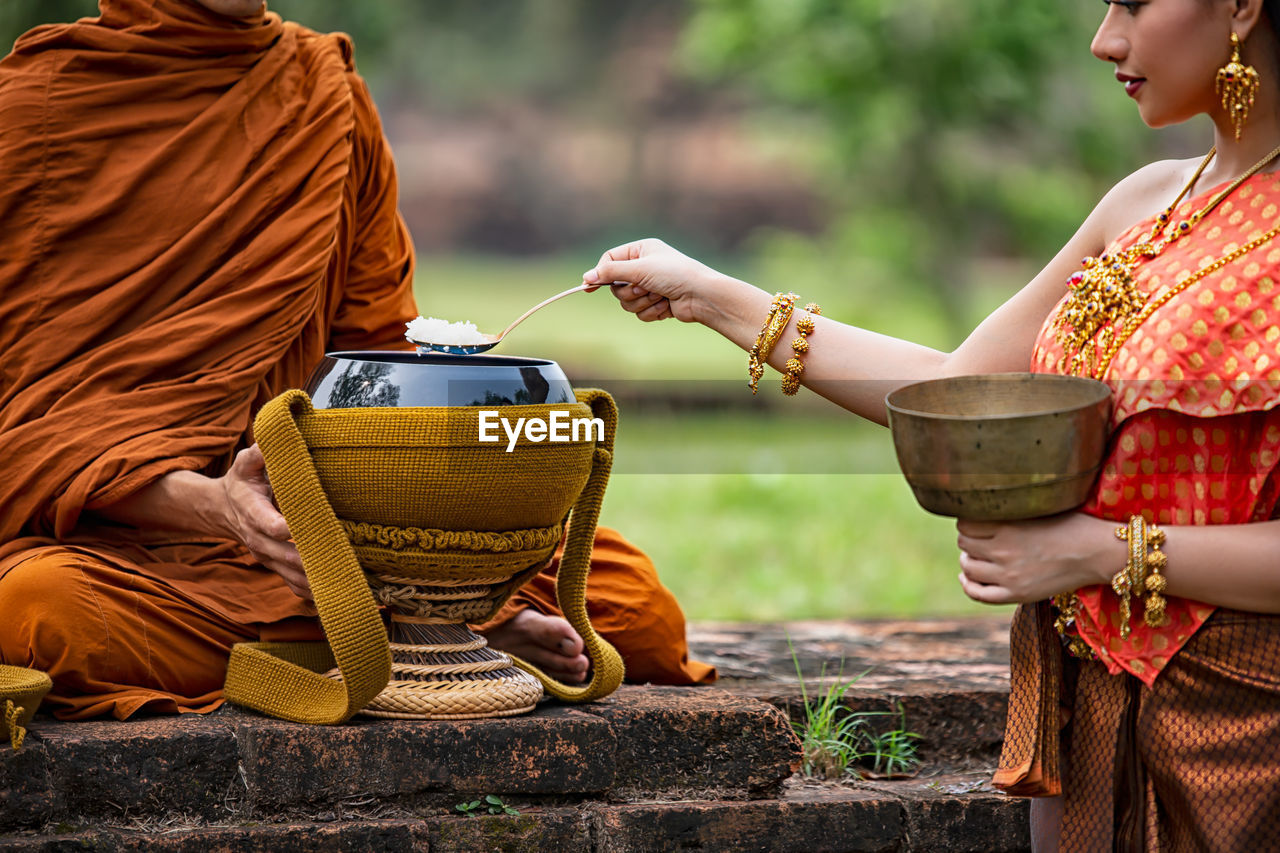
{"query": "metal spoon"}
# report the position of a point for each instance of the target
(492, 341)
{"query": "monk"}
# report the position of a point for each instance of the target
(199, 203)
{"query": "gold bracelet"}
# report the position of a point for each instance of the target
(1156, 583)
(1131, 578)
(800, 346)
(774, 324)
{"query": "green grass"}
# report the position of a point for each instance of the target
(746, 442)
(836, 742)
(791, 546)
(744, 525)
(792, 509)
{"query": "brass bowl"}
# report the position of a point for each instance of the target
(1003, 446)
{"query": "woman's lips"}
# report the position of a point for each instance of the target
(1131, 84)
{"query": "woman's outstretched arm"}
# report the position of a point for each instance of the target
(854, 367)
(851, 366)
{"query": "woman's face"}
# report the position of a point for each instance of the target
(1167, 54)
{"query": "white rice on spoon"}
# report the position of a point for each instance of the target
(432, 330)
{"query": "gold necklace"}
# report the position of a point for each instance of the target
(1103, 291)
(1151, 307)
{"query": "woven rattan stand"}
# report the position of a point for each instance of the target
(440, 668)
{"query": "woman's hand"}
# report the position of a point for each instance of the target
(1027, 561)
(654, 281)
(252, 518)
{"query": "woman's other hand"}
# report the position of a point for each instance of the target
(252, 518)
(654, 281)
(1026, 561)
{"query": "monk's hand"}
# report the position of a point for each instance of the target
(1027, 561)
(253, 519)
(654, 281)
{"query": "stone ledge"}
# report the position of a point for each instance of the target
(233, 763)
(959, 813)
(950, 676)
(677, 739)
(185, 764)
(556, 750)
(921, 656)
(381, 835)
(651, 768)
(841, 820)
(885, 816)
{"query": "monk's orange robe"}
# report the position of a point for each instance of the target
(196, 209)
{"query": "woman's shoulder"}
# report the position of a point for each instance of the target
(1142, 194)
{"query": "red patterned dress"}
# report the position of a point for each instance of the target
(1174, 735)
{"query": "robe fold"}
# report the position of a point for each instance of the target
(196, 209)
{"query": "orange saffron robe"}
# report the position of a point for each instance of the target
(1195, 434)
(195, 210)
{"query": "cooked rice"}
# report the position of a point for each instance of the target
(432, 330)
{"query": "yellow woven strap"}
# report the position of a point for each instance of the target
(571, 582)
(284, 679)
(13, 713)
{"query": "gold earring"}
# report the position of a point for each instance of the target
(1237, 86)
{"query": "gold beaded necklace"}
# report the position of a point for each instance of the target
(1104, 293)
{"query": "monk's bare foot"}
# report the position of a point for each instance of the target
(547, 642)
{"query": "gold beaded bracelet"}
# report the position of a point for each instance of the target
(800, 346)
(1155, 583)
(774, 325)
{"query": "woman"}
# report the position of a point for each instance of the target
(1169, 672)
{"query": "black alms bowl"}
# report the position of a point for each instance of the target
(382, 378)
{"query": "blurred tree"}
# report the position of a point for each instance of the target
(18, 16)
(455, 52)
(958, 129)
(459, 54)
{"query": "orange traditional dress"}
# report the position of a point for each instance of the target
(196, 208)
(1174, 732)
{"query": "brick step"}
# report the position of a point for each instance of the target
(642, 741)
(949, 677)
(953, 813)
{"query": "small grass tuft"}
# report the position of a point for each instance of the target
(837, 743)
(892, 753)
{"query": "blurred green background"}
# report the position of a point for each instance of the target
(906, 164)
